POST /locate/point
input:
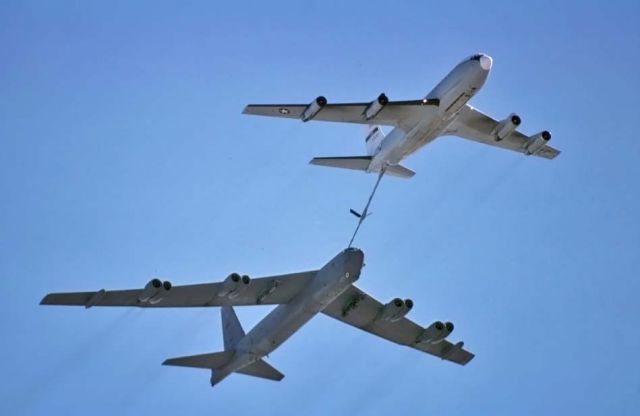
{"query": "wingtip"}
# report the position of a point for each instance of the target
(471, 357)
(43, 301)
(247, 109)
(168, 361)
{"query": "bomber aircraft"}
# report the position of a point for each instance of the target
(443, 112)
(299, 296)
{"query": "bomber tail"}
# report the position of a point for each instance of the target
(212, 360)
(231, 328)
(217, 361)
(261, 369)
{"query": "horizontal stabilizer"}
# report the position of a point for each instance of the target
(350, 162)
(261, 369)
(360, 163)
(211, 360)
(399, 171)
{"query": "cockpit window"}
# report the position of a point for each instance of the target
(475, 57)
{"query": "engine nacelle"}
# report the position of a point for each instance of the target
(376, 106)
(435, 333)
(161, 293)
(538, 141)
(395, 310)
(507, 126)
(314, 108)
(150, 290)
(233, 285)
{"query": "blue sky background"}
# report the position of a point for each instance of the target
(123, 156)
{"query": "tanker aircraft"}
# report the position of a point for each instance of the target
(442, 112)
(299, 296)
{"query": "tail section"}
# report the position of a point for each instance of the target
(213, 360)
(372, 142)
(230, 360)
(373, 139)
(261, 369)
(232, 332)
(231, 328)
(350, 162)
(360, 163)
(399, 171)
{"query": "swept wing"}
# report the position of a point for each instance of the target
(403, 114)
(272, 290)
(356, 308)
(474, 125)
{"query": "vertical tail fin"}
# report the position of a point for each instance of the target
(221, 363)
(231, 328)
(373, 139)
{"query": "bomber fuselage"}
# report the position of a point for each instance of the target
(330, 282)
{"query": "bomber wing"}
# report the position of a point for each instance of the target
(474, 125)
(272, 290)
(356, 308)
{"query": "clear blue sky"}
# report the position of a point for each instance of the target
(123, 156)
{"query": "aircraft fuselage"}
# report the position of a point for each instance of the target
(453, 92)
(330, 282)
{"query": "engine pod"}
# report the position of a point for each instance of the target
(150, 290)
(435, 333)
(161, 293)
(395, 310)
(537, 142)
(507, 126)
(233, 285)
(376, 106)
(313, 108)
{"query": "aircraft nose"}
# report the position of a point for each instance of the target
(485, 62)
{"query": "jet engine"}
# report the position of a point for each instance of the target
(233, 285)
(154, 291)
(376, 106)
(160, 294)
(507, 126)
(537, 142)
(313, 109)
(436, 332)
(395, 310)
(150, 289)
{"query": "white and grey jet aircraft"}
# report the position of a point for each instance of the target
(443, 112)
(300, 297)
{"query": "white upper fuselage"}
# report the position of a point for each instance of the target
(453, 92)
